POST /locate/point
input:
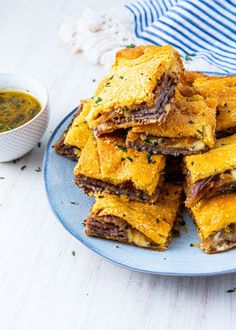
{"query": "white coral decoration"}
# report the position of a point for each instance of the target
(98, 36)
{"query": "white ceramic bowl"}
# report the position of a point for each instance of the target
(17, 142)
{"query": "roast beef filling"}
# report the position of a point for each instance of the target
(168, 146)
(90, 185)
(223, 240)
(164, 93)
(226, 132)
(107, 226)
(63, 149)
(211, 186)
(144, 113)
(116, 228)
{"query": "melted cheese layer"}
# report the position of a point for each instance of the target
(137, 238)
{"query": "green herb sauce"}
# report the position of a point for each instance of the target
(16, 109)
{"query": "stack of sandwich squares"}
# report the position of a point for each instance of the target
(150, 129)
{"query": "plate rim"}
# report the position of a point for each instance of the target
(90, 246)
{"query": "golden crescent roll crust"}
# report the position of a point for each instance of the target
(153, 220)
(189, 77)
(191, 116)
(133, 78)
(78, 133)
(215, 161)
(214, 214)
(224, 89)
(108, 159)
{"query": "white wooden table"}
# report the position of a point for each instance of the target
(42, 285)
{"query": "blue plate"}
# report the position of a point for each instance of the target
(179, 260)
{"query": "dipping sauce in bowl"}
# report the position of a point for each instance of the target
(16, 109)
(24, 114)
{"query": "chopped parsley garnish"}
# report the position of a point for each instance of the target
(231, 290)
(192, 163)
(122, 159)
(108, 84)
(182, 222)
(175, 233)
(121, 77)
(199, 132)
(150, 141)
(190, 121)
(73, 253)
(130, 159)
(2, 177)
(194, 245)
(117, 246)
(74, 203)
(149, 159)
(111, 77)
(39, 144)
(142, 196)
(122, 148)
(23, 167)
(94, 79)
(141, 73)
(98, 100)
(100, 196)
(131, 46)
(38, 169)
(94, 136)
(149, 78)
(188, 58)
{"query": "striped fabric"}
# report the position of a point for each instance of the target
(205, 29)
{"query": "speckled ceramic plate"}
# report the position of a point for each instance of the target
(179, 260)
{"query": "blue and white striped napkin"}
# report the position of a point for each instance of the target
(198, 29)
